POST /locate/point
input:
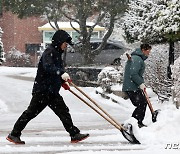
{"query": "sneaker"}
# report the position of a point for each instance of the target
(14, 139)
(140, 125)
(78, 137)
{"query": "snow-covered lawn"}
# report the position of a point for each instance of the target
(45, 134)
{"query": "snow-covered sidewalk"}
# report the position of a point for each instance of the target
(45, 134)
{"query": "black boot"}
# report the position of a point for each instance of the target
(140, 125)
(78, 137)
(14, 139)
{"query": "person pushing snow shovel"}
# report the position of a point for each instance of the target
(50, 77)
(133, 82)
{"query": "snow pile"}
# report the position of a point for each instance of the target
(162, 134)
(164, 130)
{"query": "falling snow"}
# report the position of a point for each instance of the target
(45, 133)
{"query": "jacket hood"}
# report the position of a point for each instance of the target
(60, 37)
(138, 52)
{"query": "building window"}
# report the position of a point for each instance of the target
(75, 36)
(95, 35)
(48, 36)
(32, 48)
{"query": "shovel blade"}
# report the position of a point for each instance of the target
(128, 134)
(154, 115)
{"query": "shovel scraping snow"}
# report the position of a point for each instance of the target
(154, 113)
(126, 132)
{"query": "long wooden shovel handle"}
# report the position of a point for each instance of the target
(92, 107)
(128, 56)
(148, 101)
(96, 104)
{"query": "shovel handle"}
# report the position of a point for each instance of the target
(128, 135)
(92, 107)
(148, 101)
(119, 125)
(128, 56)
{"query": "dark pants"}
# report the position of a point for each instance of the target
(138, 99)
(37, 104)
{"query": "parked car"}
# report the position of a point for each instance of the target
(109, 55)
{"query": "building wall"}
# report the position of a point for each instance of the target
(6, 22)
(19, 32)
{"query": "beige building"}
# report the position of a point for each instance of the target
(48, 31)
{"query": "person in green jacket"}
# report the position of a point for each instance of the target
(133, 82)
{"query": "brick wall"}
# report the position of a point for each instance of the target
(6, 23)
(18, 32)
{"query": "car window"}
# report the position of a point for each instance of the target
(111, 46)
(95, 45)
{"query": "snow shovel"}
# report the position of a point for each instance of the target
(127, 133)
(154, 113)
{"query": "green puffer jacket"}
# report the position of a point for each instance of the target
(134, 69)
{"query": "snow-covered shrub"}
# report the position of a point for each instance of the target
(17, 58)
(152, 20)
(176, 50)
(156, 72)
(1, 44)
(110, 76)
(1, 47)
(176, 80)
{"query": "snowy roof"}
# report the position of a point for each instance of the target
(67, 26)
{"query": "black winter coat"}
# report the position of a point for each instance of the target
(50, 68)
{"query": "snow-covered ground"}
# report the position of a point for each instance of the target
(46, 135)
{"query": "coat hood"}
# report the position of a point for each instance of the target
(138, 52)
(60, 37)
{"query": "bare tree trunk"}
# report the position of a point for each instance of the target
(171, 58)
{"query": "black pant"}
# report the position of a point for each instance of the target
(37, 104)
(138, 99)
